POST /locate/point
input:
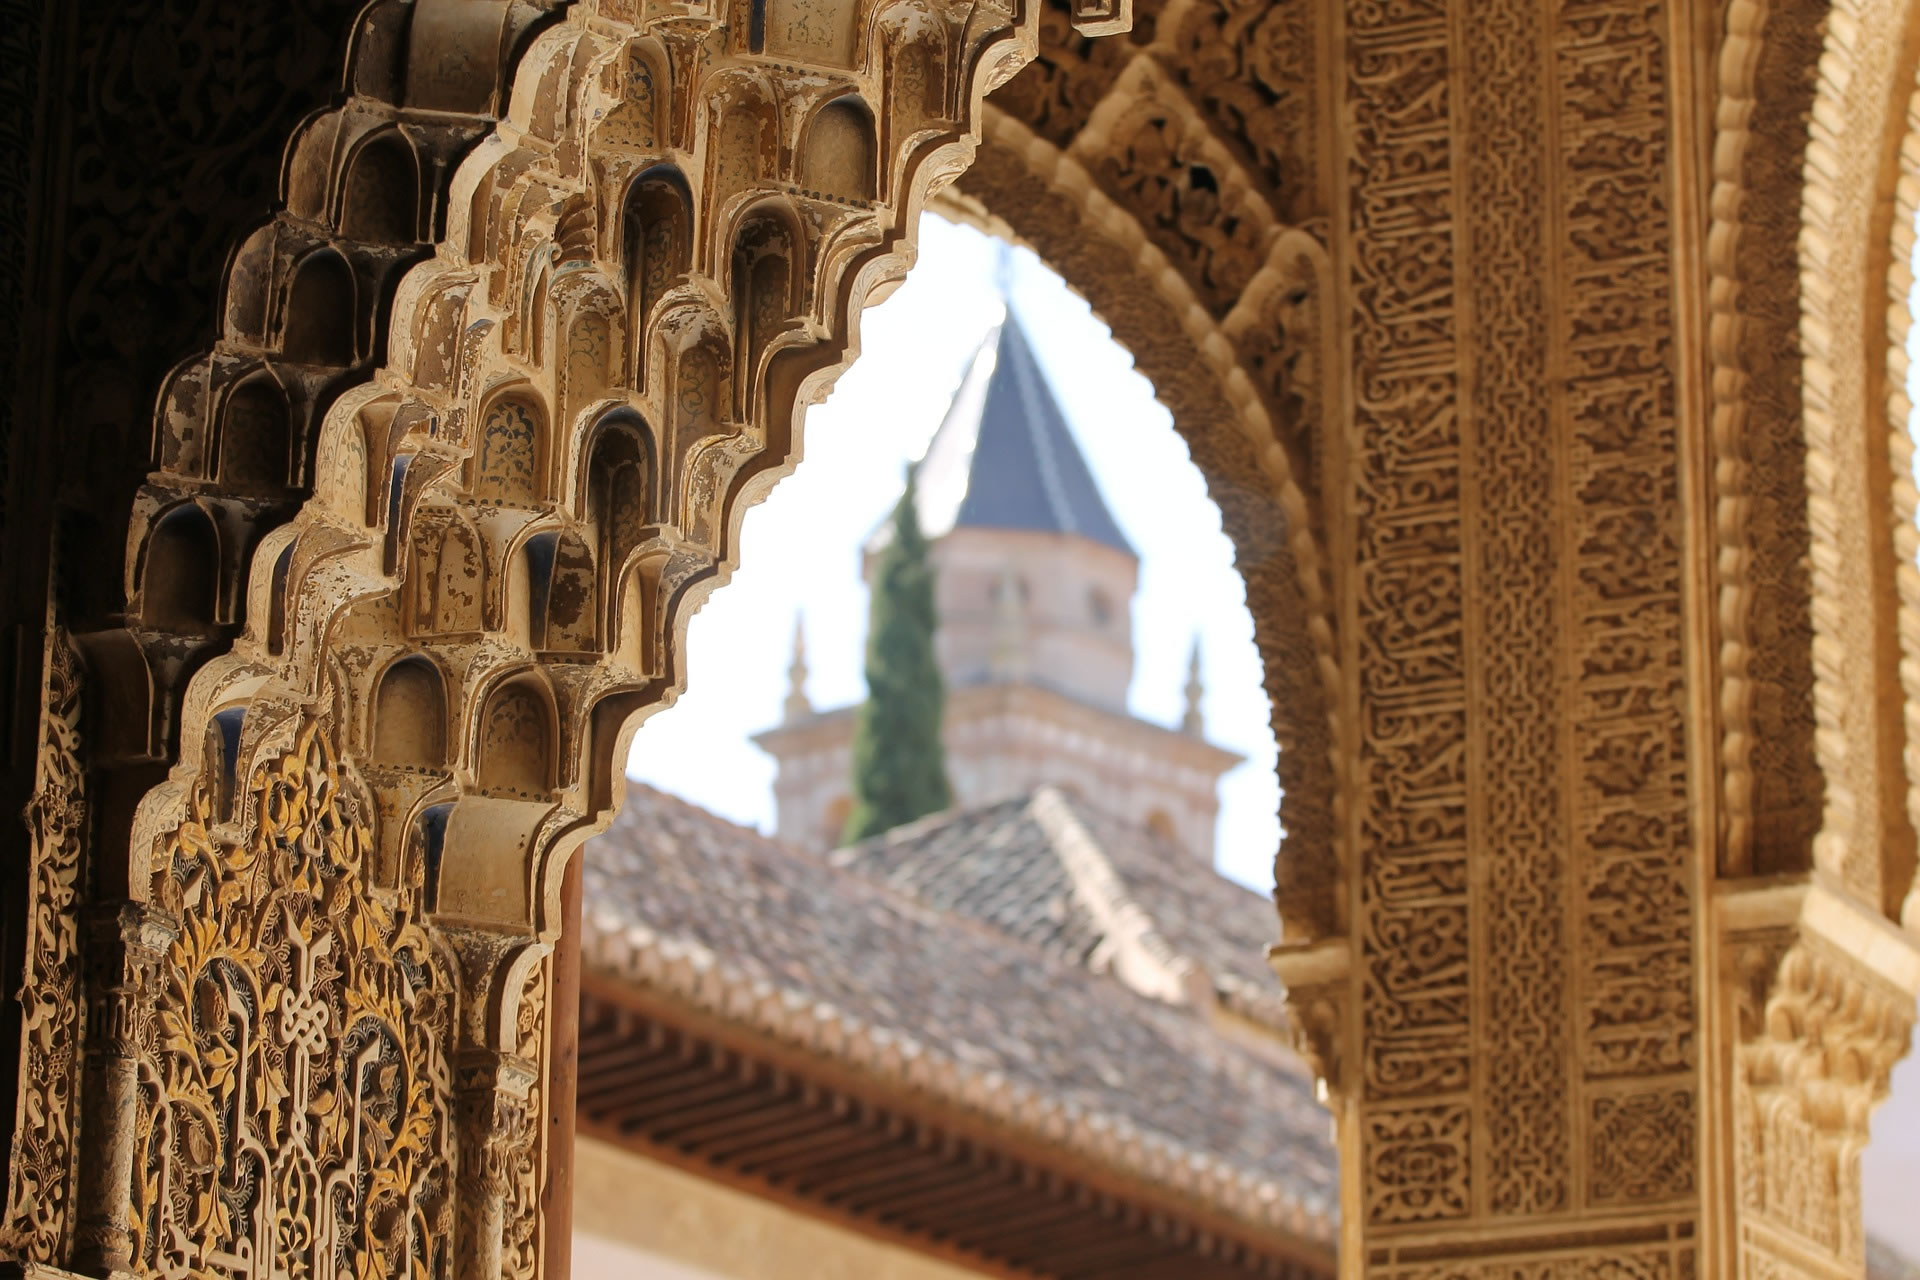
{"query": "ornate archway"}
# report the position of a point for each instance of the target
(490, 397)
(1579, 602)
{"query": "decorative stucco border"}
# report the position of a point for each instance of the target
(1214, 342)
(1900, 452)
(1860, 144)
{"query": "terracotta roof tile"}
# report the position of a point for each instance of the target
(999, 864)
(993, 863)
(1017, 1008)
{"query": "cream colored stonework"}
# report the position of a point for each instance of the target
(1004, 739)
(1546, 360)
(639, 1219)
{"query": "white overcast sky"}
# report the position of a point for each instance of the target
(800, 549)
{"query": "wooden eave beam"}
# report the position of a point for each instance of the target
(756, 1111)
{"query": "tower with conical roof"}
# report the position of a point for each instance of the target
(1033, 591)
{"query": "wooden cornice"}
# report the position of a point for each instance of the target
(674, 1082)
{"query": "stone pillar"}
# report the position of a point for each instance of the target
(496, 1139)
(125, 943)
(1523, 1024)
(1522, 1042)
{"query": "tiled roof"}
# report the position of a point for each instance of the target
(1884, 1262)
(993, 863)
(767, 934)
(1004, 864)
(1004, 458)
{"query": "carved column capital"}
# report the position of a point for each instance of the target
(1820, 992)
(496, 1132)
(496, 1142)
(124, 944)
(1823, 987)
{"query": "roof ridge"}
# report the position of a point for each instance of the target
(1158, 968)
(1228, 989)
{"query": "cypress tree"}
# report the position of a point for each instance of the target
(899, 765)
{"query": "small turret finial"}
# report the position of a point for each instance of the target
(798, 708)
(1191, 723)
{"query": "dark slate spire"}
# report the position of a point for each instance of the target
(1003, 457)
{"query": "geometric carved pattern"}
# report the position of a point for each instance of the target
(1615, 1265)
(1525, 905)
(1480, 477)
(1514, 571)
(1633, 841)
(296, 1112)
(461, 581)
(1411, 922)
(1642, 1146)
(1416, 1164)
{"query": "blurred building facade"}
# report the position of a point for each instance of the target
(1034, 584)
(1027, 1038)
(389, 382)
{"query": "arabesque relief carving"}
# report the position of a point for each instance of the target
(295, 1088)
(1574, 658)
(41, 1165)
(420, 542)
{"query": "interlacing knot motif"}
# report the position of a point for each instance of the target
(295, 1091)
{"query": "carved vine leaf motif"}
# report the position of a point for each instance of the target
(41, 1161)
(521, 1252)
(295, 1112)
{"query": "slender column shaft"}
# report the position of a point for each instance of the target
(563, 1077)
(125, 942)
(495, 1139)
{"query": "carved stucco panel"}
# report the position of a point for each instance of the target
(296, 1101)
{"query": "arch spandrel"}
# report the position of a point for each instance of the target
(1136, 169)
(456, 465)
(1343, 220)
(1044, 198)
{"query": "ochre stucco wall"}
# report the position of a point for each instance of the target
(638, 1219)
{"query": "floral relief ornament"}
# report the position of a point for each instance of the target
(295, 1111)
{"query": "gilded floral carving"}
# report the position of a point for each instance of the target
(41, 1165)
(295, 1109)
(1419, 279)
